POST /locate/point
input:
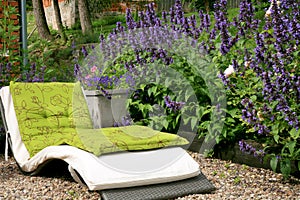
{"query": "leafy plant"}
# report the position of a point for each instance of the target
(137, 67)
(256, 61)
(266, 86)
(204, 5)
(8, 33)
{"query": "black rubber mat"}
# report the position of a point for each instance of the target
(197, 185)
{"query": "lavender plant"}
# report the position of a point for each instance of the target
(257, 61)
(266, 81)
(9, 72)
(133, 66)
(276, 61)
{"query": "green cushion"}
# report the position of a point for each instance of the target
(56, 113)
(127, 138)
(47, 114)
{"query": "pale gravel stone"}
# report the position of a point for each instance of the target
(233, 181)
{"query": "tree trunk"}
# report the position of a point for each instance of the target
(85, 20)
(58, 20)
(40, 20)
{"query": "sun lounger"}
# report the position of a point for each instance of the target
(48, 121)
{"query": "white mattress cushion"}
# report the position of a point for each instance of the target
(138, 168)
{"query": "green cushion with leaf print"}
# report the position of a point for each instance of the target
(48, 114)
(127, 138)
(55, 113)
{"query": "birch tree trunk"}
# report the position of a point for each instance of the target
(85, 20)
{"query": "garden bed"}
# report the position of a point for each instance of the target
(232, 153)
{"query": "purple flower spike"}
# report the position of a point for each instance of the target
(173, 105)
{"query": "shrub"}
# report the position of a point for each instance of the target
(8, 37)
(265, 85)
(255, 58)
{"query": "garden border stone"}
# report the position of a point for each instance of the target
(232, 152)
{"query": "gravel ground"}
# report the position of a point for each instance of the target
(233, 181)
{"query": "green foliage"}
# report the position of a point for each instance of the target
(8, 36)
(96, 7)
(109, 19)
(281, 143)
(206, 5)
(149, 105)
(56, 57)
(9, 52)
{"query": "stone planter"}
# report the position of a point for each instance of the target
(105, 112)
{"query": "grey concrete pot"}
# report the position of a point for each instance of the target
(105, 112)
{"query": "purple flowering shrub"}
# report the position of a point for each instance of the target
(10, 72)
(136, 69)
(265, 83)
(257, 61)
(133, 70)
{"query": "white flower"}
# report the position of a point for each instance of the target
(229, 71)
(247, 64)
(269, 12)
(278, 3)
(260, 116)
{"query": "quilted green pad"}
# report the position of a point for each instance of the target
(45, 114)
(127, 138)
(56, 113)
